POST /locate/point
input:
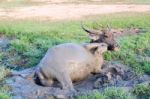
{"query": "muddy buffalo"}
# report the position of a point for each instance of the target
(70, 62)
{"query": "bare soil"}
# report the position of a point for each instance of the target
(63, 11)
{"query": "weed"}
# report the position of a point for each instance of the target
(18, 3)
(117, 93)
(3, 72)
(142, 90)
(4, 96)
(4, 92)
(108, 93)
(146, 66)
(93, 95)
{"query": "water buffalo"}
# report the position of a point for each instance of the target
(70, 62)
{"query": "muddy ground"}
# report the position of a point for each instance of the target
(113, 74)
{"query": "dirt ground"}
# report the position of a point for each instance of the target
(67, 11)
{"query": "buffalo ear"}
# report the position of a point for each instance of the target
(90, 46)
(96, 48)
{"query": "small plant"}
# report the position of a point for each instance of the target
(146, 66)
(93, 95)
(5, 92)
(3, 72)
(142, 90)
(4, 96)
(109, 93)
(117, 93)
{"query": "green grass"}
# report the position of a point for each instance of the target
(18, 3)
(32, 38)
(118, 93)
(130, 48)
(4, 92)
(92, 95)
(138, 1)
(4, 89)
(142, 91)
(3, 72)
(4, 96)
(126, 1)
(22, 3)
(108, 93)
(110, 1)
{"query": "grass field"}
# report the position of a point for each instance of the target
(20, 3)
(30, 39)
(127, 1)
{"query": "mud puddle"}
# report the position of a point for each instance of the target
(113, 74)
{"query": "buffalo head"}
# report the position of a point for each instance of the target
(104, 35)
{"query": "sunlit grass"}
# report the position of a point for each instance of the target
(22, 3)
(108, 93)
(4, 96)
(3, 72)
(18, 3)
(32, 38)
